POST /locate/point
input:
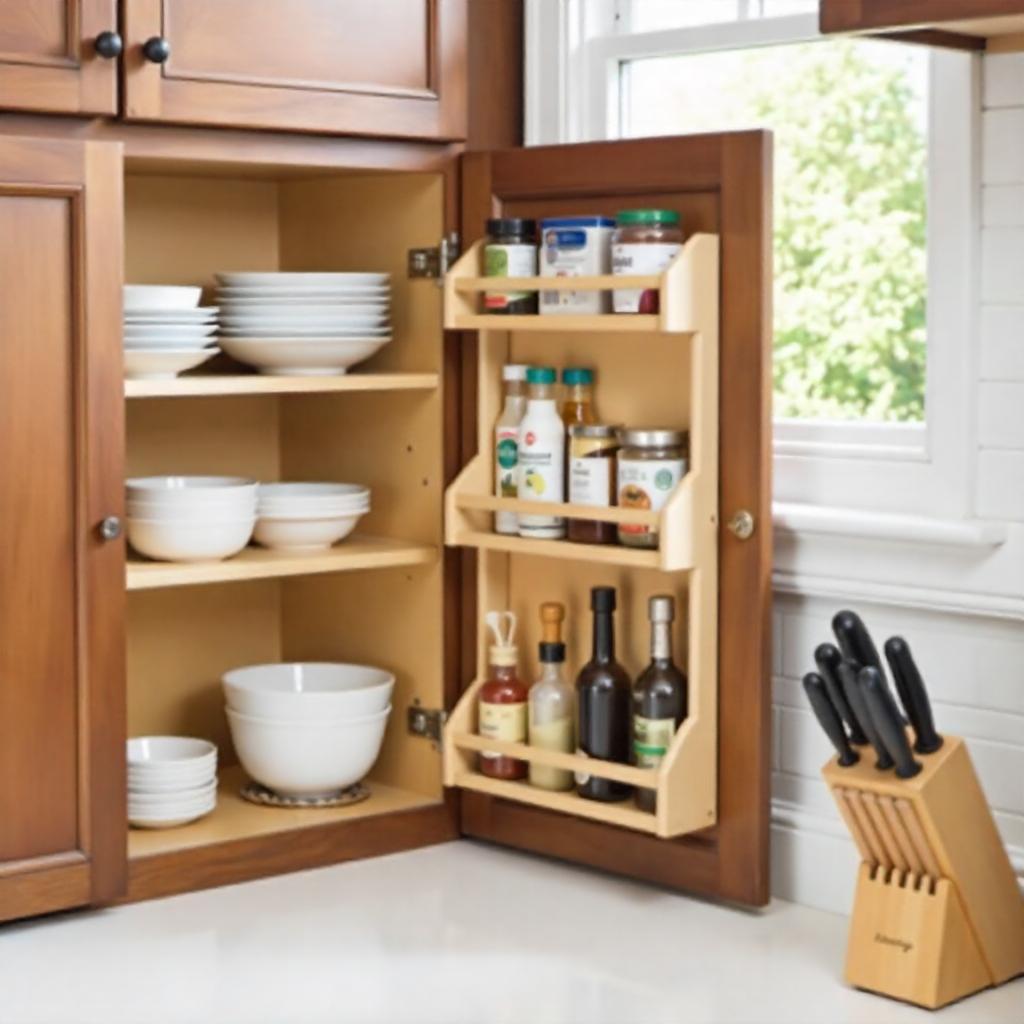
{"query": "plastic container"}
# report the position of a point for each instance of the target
(575, 247)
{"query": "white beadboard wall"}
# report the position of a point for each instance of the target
(973, 664)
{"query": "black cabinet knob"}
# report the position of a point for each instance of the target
(156, 50)
(109, 45)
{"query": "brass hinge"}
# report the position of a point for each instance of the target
(425, 722)
(434, 262)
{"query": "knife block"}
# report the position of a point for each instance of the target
(938, 914)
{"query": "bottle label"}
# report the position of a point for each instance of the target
(647, 484)
(541, 472)
(590, 471)
(556, 735)
(638, 258)
(508, 261)
(651, 739)
(506, 722)
(506, 461)
(574, 252)
(582, 778)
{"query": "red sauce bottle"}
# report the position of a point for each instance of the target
(502, 710)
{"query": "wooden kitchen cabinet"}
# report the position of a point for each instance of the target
(48, 57)
(62, 723)
(390, 67)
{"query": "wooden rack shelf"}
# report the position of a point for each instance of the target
(356, 552)
(260, 384)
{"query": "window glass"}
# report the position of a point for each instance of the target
(651, 15)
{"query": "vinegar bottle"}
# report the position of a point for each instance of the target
(506, 445)
(501, 711)
(552, 703)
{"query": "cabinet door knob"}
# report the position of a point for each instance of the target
(156, 50)
(109, 45)
(742, 524)
(110, 528)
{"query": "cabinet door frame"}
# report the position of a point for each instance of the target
(77, 82)
(731, 860)
(89, 175)
(154, 93)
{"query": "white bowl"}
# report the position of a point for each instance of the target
(173, 817)
(320, 492)
(157, 800)
(168, 332)
(321, 691)
(150, 344)
(297, 511)
(342, 319)
(301, 358)
(241, 309)
(151, 297)
(307, 758)
(163, 364)
(285, 304)
(160, 317)
(185, 491)
(177, 541)
(146, 786)
(292, 533)
(160, 752)
(307, 293)
(196, 506)
(283, 277)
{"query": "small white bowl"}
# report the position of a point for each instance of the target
(173, 817)
(312, 491)
(176, 541)
(190, 491)
(187, 332)
(294, 691)
(147, 785)
(157, 800)
(307, 758)
(152, 297)
(212, 512)
(160, 317)
(170, 751)
(287, 533)
(163, 364)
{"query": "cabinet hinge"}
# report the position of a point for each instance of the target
(434, 262)
(425, 722)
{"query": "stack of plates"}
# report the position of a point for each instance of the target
(172, 780)
(308, 517)
(165, 331)
(304, 324)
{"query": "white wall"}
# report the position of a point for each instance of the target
(970, 645)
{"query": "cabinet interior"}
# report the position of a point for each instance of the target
(182, 228)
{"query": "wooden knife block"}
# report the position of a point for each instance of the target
(938, 913)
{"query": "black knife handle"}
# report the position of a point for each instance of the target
(855, 641)
(886, 718)
(913, 695)
(848, 677)
(828, 718)
(827, 658)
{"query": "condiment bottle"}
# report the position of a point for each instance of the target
(501, 711)
(578, 396)
(650, 464)
(510, 251)
(644, 242)
(659, 697)
(541, 455)
(592, 479)
(506, 445)
(603, 693)
(552, 702)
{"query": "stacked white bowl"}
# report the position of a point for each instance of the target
(303, 324)
(308, 517)
(166, 331)
(308, 729)
(190, 518)
(171, 780)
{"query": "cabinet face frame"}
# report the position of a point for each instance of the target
(77, 81)
(733, 172)
(88, 176)
(155, 92)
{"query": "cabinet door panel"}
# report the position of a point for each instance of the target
(391, 67)
(62, 827)
(47, 58)
(719, 184)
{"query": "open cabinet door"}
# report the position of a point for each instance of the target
(716, 845)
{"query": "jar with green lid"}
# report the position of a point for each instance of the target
(644, 242)
(651, 463)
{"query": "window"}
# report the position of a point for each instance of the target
(874, 235)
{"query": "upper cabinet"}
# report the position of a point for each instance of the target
(994, 25)
(49, 59)
(385, 68)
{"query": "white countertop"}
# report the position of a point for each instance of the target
(461, 932)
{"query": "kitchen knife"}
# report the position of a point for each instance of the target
(910, 686)
(885, 717)
(827, 658)
(848, 677)
(828, 718)
(855, 641)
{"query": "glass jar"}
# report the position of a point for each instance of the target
(592, 479)
(650, 465)
(510, 251)
(644, 242)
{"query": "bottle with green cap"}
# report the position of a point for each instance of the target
(578, 396)
(644, 242)
(541, 454)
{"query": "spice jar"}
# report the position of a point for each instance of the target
(650, 464)
(592, 479)
(510, 251)
(644, 242)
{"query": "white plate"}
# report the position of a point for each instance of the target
(302, 357)
(288, 303)
(160, 296)
(333, 320)
(203, 315)
(304, 292)
(170, 330)
(302, 308)
(288, 278)
(312, 333)
(150, 344)
(163, 364)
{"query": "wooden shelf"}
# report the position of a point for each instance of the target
(356, 552)
(618, 323)
(259, 384)
(236, 818)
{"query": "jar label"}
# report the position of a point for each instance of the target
(506, 722)
(506, 461)
(651, 739)
(638, 258)
(574, 252)
(590, 481)
(508, 261)
(647, 484)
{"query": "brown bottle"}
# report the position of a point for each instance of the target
(501, 711)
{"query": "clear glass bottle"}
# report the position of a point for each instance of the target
(578, 396)
(552, 703)
(541, 455)
(506, 444)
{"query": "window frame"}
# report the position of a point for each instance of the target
(575, 53)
